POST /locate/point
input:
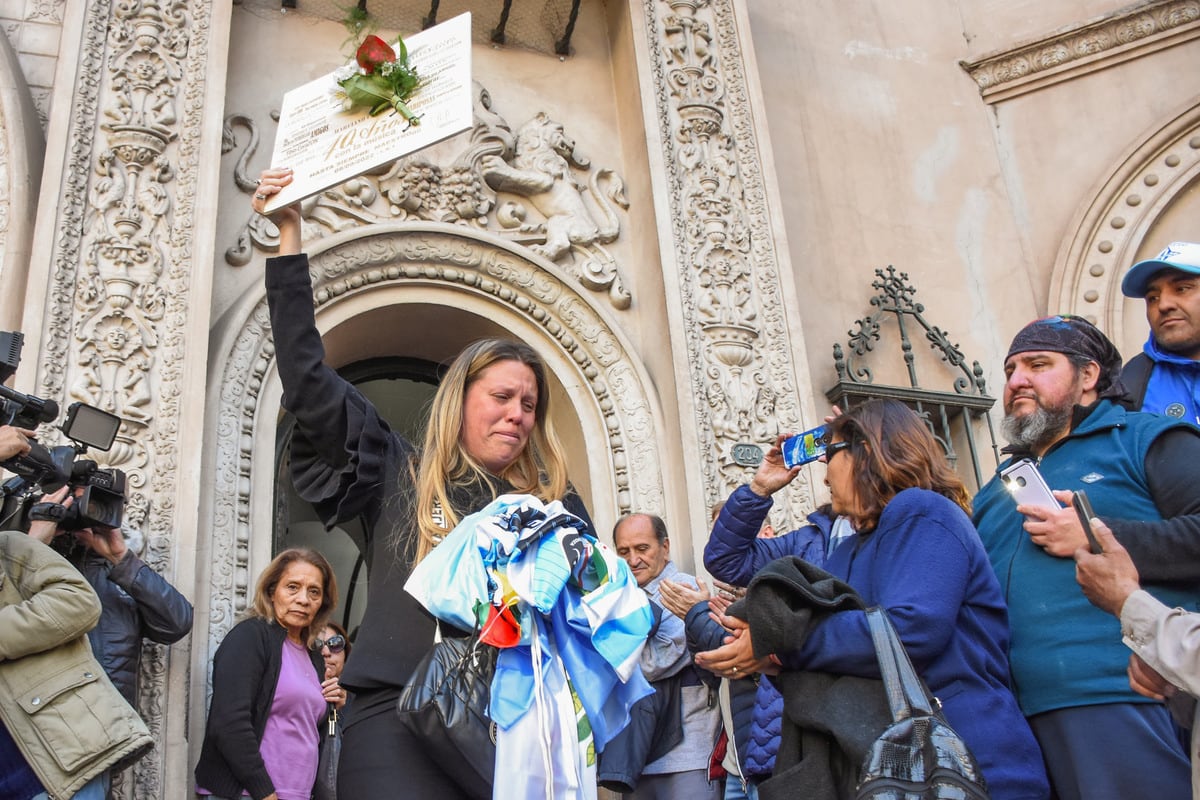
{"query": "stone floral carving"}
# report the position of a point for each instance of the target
(119, 299)
(729, 281)
(1000, 76)
(522, 187)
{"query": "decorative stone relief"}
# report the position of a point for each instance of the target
(523, 187)
(1111, 226)
(1133, 31)
(738, 346)
(420, 255)
(119, 297)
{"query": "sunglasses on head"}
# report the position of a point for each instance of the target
(335, 643)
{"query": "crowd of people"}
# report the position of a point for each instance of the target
(1069, 671)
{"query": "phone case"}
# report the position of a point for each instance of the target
(1027, 486)
(804, 447)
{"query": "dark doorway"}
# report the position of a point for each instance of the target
(401, 389)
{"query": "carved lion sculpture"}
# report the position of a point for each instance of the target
(541, 172)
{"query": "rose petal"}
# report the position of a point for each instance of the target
(373, 52)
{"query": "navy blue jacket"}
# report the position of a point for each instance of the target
(734, 553)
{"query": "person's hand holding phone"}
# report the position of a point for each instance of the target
(1108, 577)
(1055, 530)
(773, 474)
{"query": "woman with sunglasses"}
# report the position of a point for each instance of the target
(335, 649)
(916, 554)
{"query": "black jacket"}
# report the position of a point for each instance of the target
(136, 603)
(245, 672)
(829, 720)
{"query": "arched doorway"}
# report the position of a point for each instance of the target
(419, 292)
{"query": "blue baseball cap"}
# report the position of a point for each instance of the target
(1183, 256)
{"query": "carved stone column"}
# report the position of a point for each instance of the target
(726, 261)
(127, 295)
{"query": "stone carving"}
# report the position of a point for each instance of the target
(1000, 75)
(542, 205)
(737, 342)
(1113, 224)
(119, 293)
(541, 172)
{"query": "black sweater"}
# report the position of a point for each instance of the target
(245, 674)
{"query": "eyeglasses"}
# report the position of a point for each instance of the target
(833, 448)
(335, 643)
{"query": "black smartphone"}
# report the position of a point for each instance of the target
(1083, 508)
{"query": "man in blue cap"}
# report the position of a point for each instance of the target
(1165, 377)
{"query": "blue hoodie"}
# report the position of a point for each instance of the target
(1174, 385)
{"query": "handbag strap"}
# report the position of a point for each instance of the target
(905, 692)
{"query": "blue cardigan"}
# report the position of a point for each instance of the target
(925, 564)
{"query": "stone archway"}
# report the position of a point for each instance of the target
(428, 264)
(1110, 229)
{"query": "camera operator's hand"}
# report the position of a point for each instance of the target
(14, 441)
(107, 542)
(45, 530)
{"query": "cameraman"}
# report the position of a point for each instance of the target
(135, 601)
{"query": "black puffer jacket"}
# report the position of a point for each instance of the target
(136, 603)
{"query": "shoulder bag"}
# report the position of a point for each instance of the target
(327, 766)
(445, 704)
(919, 754)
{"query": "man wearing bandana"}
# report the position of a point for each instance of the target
(1165, 377)
(1100, 739)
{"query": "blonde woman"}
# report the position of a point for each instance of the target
(488, 434)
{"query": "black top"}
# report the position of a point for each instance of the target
(347, 461)
(245, 673)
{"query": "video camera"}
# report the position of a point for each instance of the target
(102, 499)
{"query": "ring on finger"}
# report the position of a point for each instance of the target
(260, 196)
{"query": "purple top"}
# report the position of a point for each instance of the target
(290, 742)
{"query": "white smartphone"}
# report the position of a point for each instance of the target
(1027, 486)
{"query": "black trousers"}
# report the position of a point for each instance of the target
(382, 759)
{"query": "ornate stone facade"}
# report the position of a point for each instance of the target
(732, 332)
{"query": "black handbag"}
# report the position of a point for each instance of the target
(919, 755)
(331, 751)
(445, 705)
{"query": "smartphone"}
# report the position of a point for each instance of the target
(1027, 486)
(804, 447)
(1083, 508)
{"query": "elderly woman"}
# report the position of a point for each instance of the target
(263, 730)
(917, 555)
(488, 434)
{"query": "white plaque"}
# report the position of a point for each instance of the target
(324, 144)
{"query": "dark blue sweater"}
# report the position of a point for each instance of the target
(925, 564)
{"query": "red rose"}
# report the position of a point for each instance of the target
(373, 52)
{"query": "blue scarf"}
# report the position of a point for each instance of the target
(1174, 385)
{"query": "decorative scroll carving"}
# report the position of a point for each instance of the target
(462, 260)
(1110, 227)
(1141, 28)
(119, 294)
(520, 187)
(737, 340)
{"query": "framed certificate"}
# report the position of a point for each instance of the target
(324, 144)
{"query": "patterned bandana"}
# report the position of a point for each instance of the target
(1073, 336)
